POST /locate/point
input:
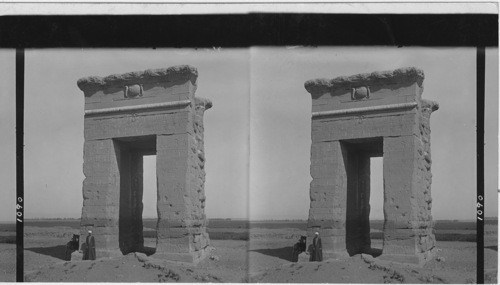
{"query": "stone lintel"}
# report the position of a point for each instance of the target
(407, 75)
(135, 108)
(392, 107)
(170, 74)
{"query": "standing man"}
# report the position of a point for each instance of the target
(89, 253)
(317, 249)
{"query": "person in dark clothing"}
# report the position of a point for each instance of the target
(89, 252)
(317, 249)
(298, 248)
(72, 246)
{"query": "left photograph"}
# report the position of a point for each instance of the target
(130, 171)
(8, 162)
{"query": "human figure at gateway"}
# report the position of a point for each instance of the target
(317, 249)
(89, 252)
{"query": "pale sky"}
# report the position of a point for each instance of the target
(273, 182)
(8, 137)
(281, 111)
(54, 127)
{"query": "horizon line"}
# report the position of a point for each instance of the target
(239, 219)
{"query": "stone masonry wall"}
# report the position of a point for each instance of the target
(100, 212)
(182, 222)
(355, 118)
(130, 115)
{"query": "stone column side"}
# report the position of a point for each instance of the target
(101, 196)
(327, 212)
(399, 195)
(182, 234)
(196, 179)
(408, 227)
(426, 240)
(173, 199)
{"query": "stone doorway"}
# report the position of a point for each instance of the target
(355, 118)
(128, 116)
(356, 155)
(130, 153)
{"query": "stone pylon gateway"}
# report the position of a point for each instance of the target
(130, 115)
(378, 114)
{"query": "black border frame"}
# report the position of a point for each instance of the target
(246, 30)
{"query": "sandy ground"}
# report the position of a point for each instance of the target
(269, 264)
(7, 262)
(265, 258)
(490, 254)
(44, 262)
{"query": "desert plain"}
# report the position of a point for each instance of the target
(241, 251)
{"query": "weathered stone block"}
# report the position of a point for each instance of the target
(363, 128)
(332, 243)
(76, 256)
(402, 258)
(304, 257)
(400, 246)
(398, 234)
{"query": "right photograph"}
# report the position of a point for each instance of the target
(363, 165)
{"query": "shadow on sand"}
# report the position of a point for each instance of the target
(147, 250)
(58, 251)
(285, 253)
(375, 252)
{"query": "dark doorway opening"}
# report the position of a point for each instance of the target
(129, 152)
(356, 154)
